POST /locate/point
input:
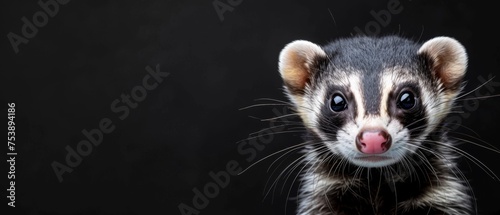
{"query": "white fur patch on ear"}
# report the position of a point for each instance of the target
(448, 60)
(295, 63)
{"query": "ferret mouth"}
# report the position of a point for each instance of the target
(373, 161)
(373, 158)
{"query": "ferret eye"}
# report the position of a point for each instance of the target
(406, 100)
(338, 103)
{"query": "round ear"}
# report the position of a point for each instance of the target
(448, 60)
(296, 64)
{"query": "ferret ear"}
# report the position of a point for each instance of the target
(296, 64)
(447, 60)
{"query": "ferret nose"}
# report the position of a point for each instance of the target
(373, 141)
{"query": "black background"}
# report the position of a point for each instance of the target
(65, 78)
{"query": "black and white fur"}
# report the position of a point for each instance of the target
(417, 174)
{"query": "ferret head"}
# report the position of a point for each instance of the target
(373, 100)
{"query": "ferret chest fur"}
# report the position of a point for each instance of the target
(420, 187)
(374, 109)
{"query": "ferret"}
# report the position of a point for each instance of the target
(374, 110)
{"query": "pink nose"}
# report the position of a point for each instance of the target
(373, 141)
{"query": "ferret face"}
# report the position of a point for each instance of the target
(373, 100)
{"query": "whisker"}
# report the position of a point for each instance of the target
(302, 128)
(284, 102)
(262, 159)
(479, 145)
(476, 161)
(279, 117)
(455, 169)
(475, 138)
(481, 97)
(273, 133)
(297, 161)
(273, 185)
(262, 105)
(486, 82)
